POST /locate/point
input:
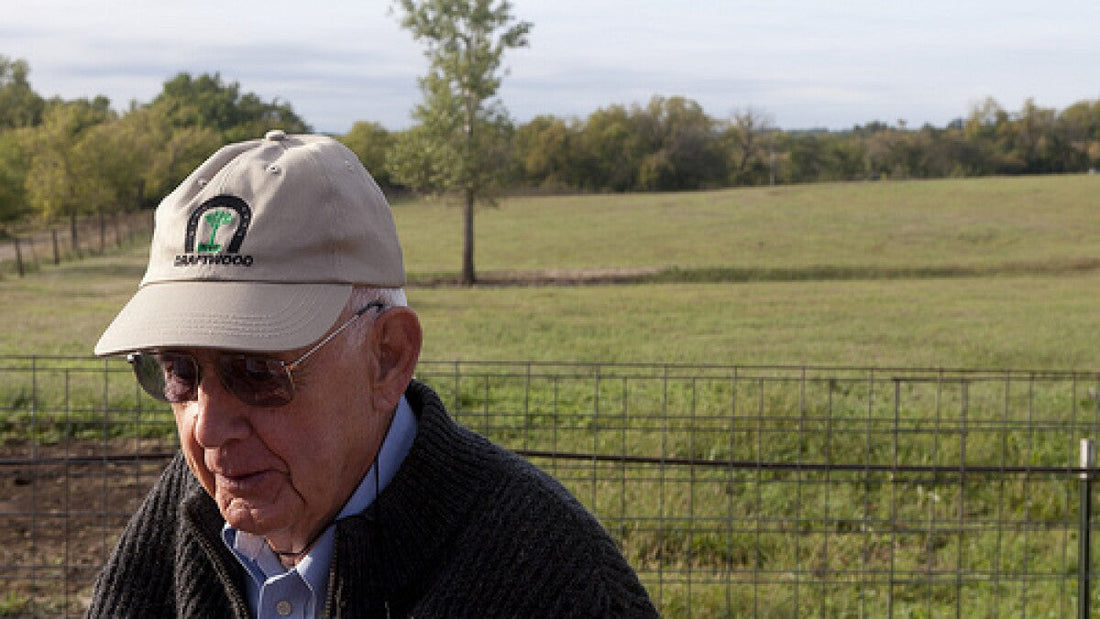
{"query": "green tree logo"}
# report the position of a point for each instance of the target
(216, 219)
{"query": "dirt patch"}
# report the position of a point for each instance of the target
(61, 511)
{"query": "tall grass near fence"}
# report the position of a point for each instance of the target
(774, 491)
(733, 490)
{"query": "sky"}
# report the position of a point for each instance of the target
(802, 64)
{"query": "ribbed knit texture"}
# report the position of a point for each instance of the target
(465, 529)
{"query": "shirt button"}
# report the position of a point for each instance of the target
(284, 608)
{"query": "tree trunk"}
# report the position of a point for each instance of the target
(468, 277)
(72, 233)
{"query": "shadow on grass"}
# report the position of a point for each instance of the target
(677, 275)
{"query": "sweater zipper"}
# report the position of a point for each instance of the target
(227, 580)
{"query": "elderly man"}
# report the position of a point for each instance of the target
(315, 476)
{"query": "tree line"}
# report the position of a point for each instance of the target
(62, 158)
(672, 144)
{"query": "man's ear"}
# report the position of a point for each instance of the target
(397, 340)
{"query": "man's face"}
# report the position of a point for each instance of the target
(285, 472)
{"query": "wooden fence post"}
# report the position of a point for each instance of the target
(75, 234)
(34, 252)
(19, 258)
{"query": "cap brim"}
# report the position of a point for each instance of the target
(248, 316)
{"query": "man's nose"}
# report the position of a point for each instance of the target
(220, 416)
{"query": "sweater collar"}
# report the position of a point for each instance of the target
(403, 533)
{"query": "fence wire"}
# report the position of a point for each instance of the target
(732, 490)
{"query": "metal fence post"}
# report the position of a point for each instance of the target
(1084, 563)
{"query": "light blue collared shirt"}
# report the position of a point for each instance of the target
(275, 591)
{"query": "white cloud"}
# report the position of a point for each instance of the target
(806, 62)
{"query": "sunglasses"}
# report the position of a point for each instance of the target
(255, 380)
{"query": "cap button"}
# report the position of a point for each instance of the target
(275, 135)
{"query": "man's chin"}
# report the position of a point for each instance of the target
(258, 518)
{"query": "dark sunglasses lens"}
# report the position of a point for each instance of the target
(167, 377)
(256, 380)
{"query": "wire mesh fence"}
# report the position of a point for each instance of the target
(732, 490)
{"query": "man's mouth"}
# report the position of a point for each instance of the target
(244, 483)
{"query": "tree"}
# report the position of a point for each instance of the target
(20, 108)
(1080, 123)
(136, 160)
(749, 135)
(684, 152)
(458, 147)
(206, 102)
(545, 153)
(60, 181)
(807, 160)
(19, 105)
(13, 172)
(158, 153)
(370, 142)
(611, 150)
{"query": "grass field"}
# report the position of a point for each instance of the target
(991, 273)
(977, 273)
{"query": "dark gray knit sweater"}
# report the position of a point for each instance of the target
(465, 529)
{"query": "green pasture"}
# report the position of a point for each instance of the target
(818, 229)
(993, 274)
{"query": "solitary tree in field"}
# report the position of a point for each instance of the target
(458, 147)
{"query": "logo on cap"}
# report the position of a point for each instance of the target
(217, 214)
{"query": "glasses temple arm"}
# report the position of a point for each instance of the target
(325, 340)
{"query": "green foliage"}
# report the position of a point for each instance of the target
(608, 150)
(668, 144)
(420, 160)
(20, 106)
(671, 144)
(13, 171)
(151, 154)
(749, 142)
(459, 147)
(61, 181)
(208, 102)
(435, 155)
(682, 153)
(371, 142)
(465, 44)
(66, 158)
(544, 153)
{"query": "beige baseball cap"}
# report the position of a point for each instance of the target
(258, 250)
